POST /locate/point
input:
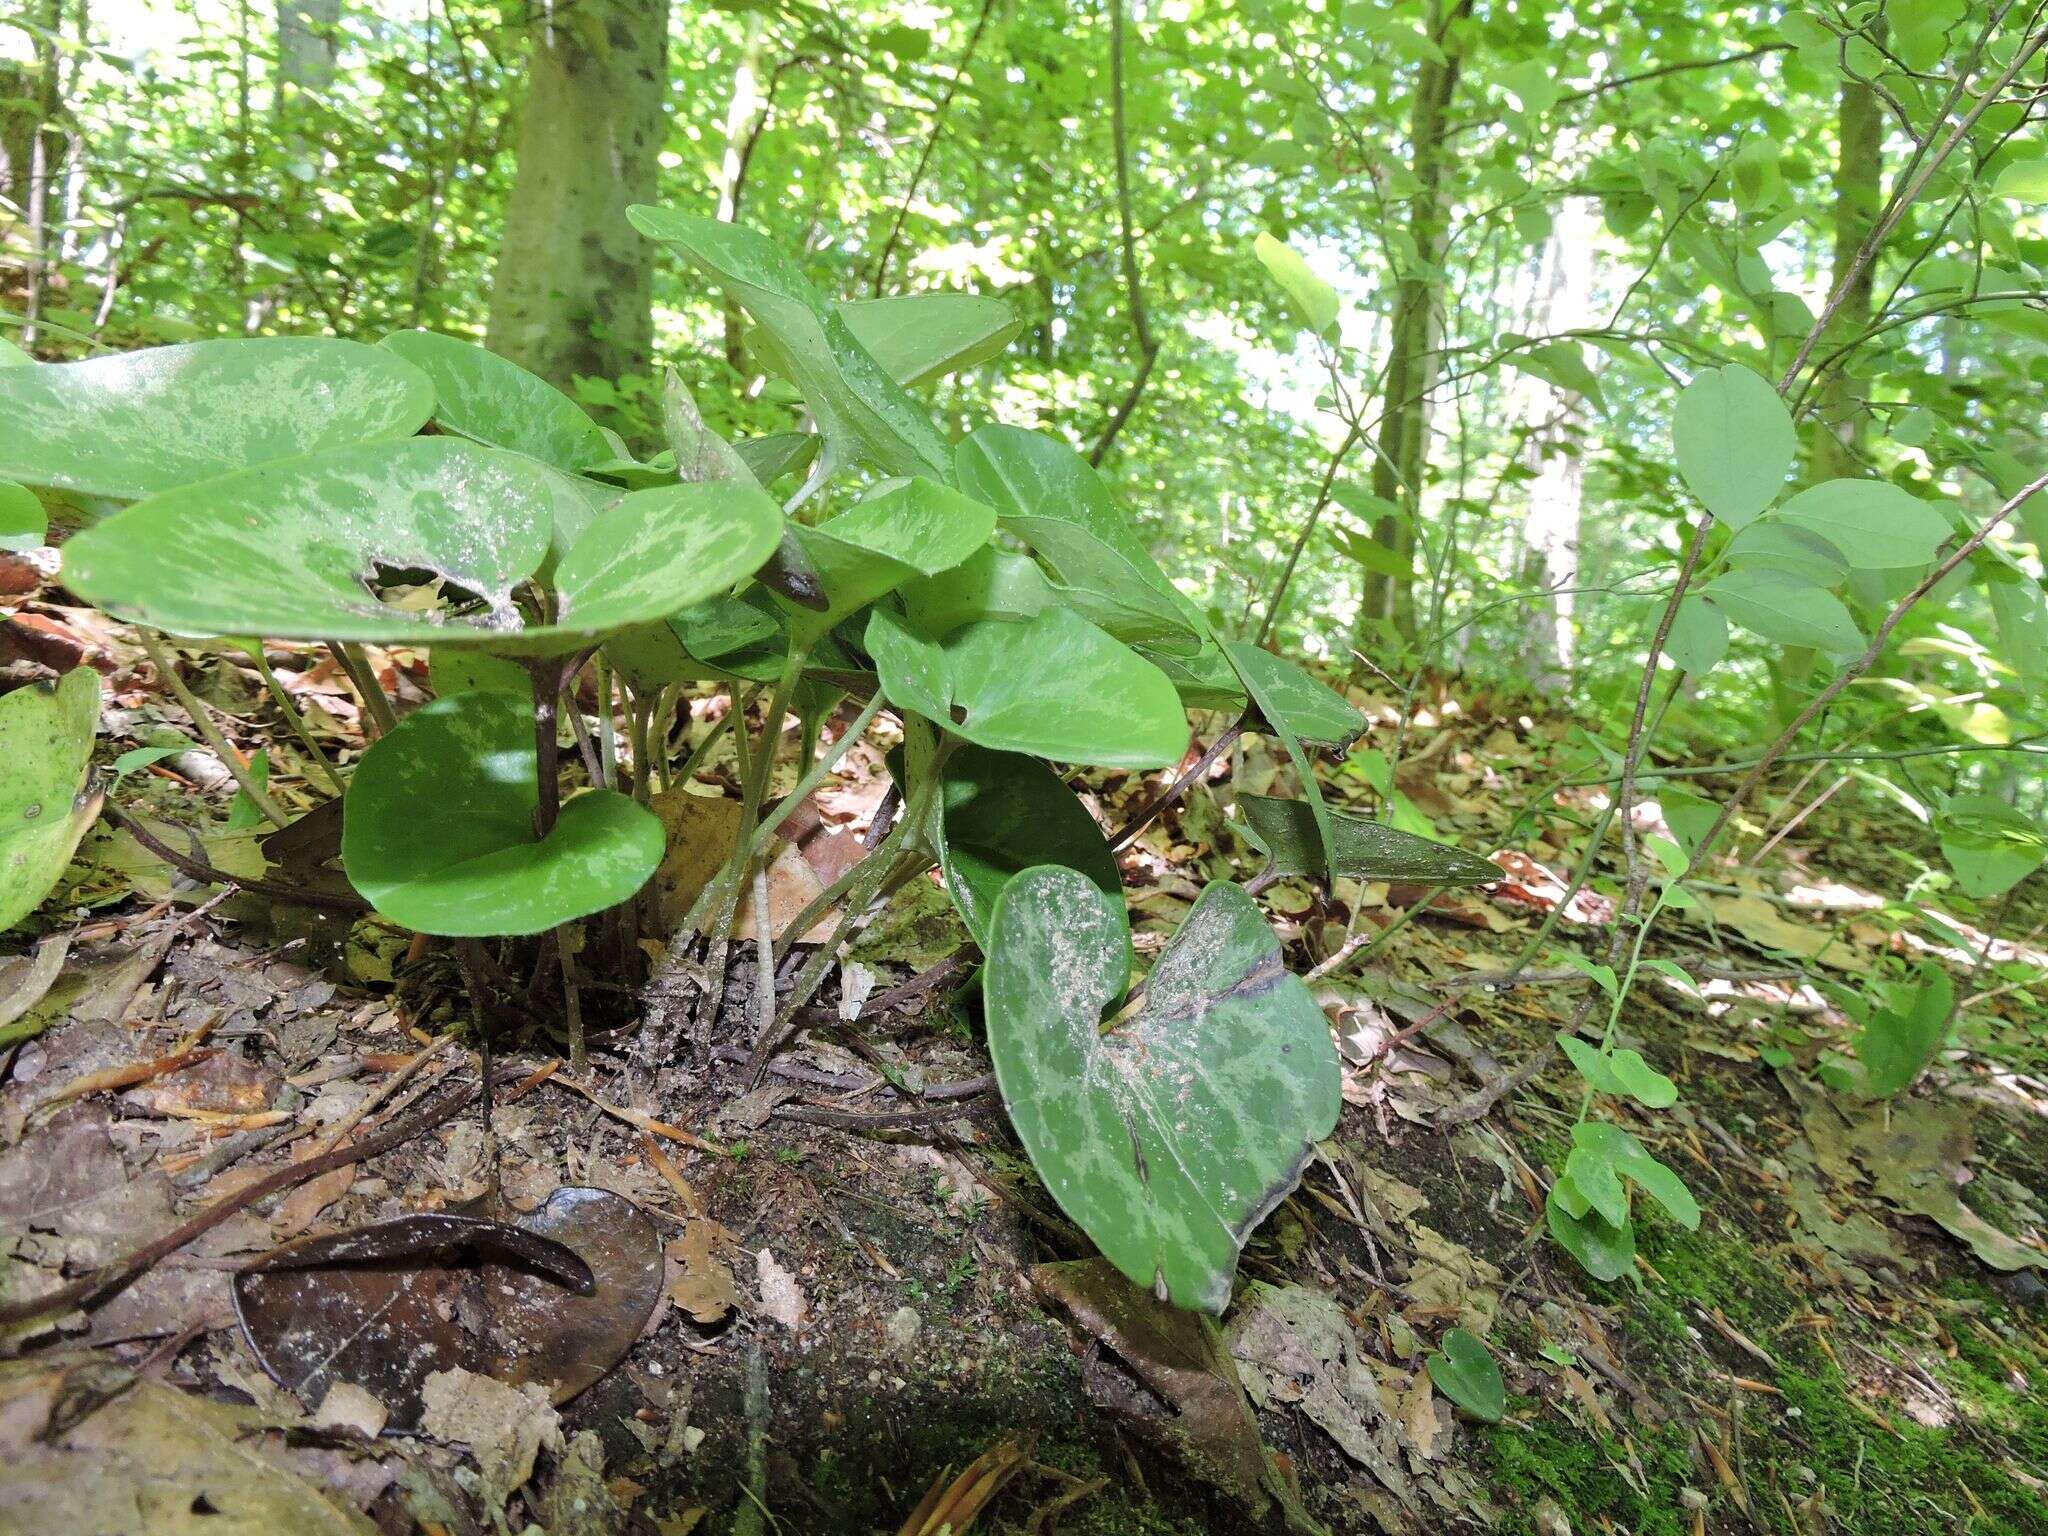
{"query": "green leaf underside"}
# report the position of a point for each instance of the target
(1360, 848)
(1991, 846)
(1314, 299)
(1699, 636)
(1173, 1136)
(1780, 546)
(918, 528)
(1735, 442)
(918, 337)
(1876, 526)
(1002, 813)
(493, 400)
(132, 424)
(858, 405)
(1901, 1038)
(1787, 608)
(1465, 1373)
(437, 829)
(288, 550)
(1054, 687)
(1051, 498)
(46, 733)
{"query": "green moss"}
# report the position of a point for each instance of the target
(1587, 1476)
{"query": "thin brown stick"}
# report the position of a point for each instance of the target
(1134, 288)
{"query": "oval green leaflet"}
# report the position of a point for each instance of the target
(133, 424)
(438, 828)
(1735, 442)
(1173, 1135)
(294, 550)
(46, 733)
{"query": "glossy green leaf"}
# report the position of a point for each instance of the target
(1052, 498)
(1787, 608)
(1315, 299)
(700, 454)
(46, 732)
(131, 424)
(1875, 525)
(1169, 1139)
(780, 453)
(289, 550)
(1989, 845)
(1465, 1372)
(861, 410)
(1699, 636)
(11, 355)
(1621, 1072)
(1288, 695)
(1002, 813)
(991, 583)
(464, 669)
(1605, 1251)
(1603, 1155)
(1902, 1036)
(918, 337)
(23, 523)
(1361, 849)
(1735, 442)
(491, 399)
(915, 528)
(1054, 687)
(437, 828)
(1270, 695)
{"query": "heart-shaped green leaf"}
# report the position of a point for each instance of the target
(23, 523)
(437, 829)
(1602, 1155)
(1360, 849)
(915, 528)
(491, 399)
(1605, 1251)
(1054, 687)
(1989, 845)
(46, 736)
(1170, 1138)
(1902, 1037)
(289, 550)
(918, 337)
(1051, 498)
(1622, 1072)
(861, 410)
(1876, 526)
(132, 424)
(1288, 696)
(1002, 813)
(991, 583)
(1735, 442)
(1465, 1372)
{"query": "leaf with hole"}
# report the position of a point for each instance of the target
(1002, 813)
(1989, 845)
(438, 828)
(46, 732)
(1621, 1072)
(491, 399)
(861, 410)
(1465, 1372)
(918, 337)
(1902, 1036)
(1171, 1137)
(1875, 525)
(1054, 687)
(132, 424)
(1787, 608)
(1735, 442)
(292, 550)
(1360, 848)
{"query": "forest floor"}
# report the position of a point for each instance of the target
(861, 1289)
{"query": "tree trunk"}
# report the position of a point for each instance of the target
(1550, 529)
(745, 117)
(1859, 175)
(571, 292)
(1417, 326)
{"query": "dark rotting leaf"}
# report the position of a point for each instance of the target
(554, 1297)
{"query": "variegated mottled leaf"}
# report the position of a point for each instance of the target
(1171, 1137)
(132, 424)
(290, 550)
(1002, 813)
(1360, 849)
(45, 747)
(493, 400)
